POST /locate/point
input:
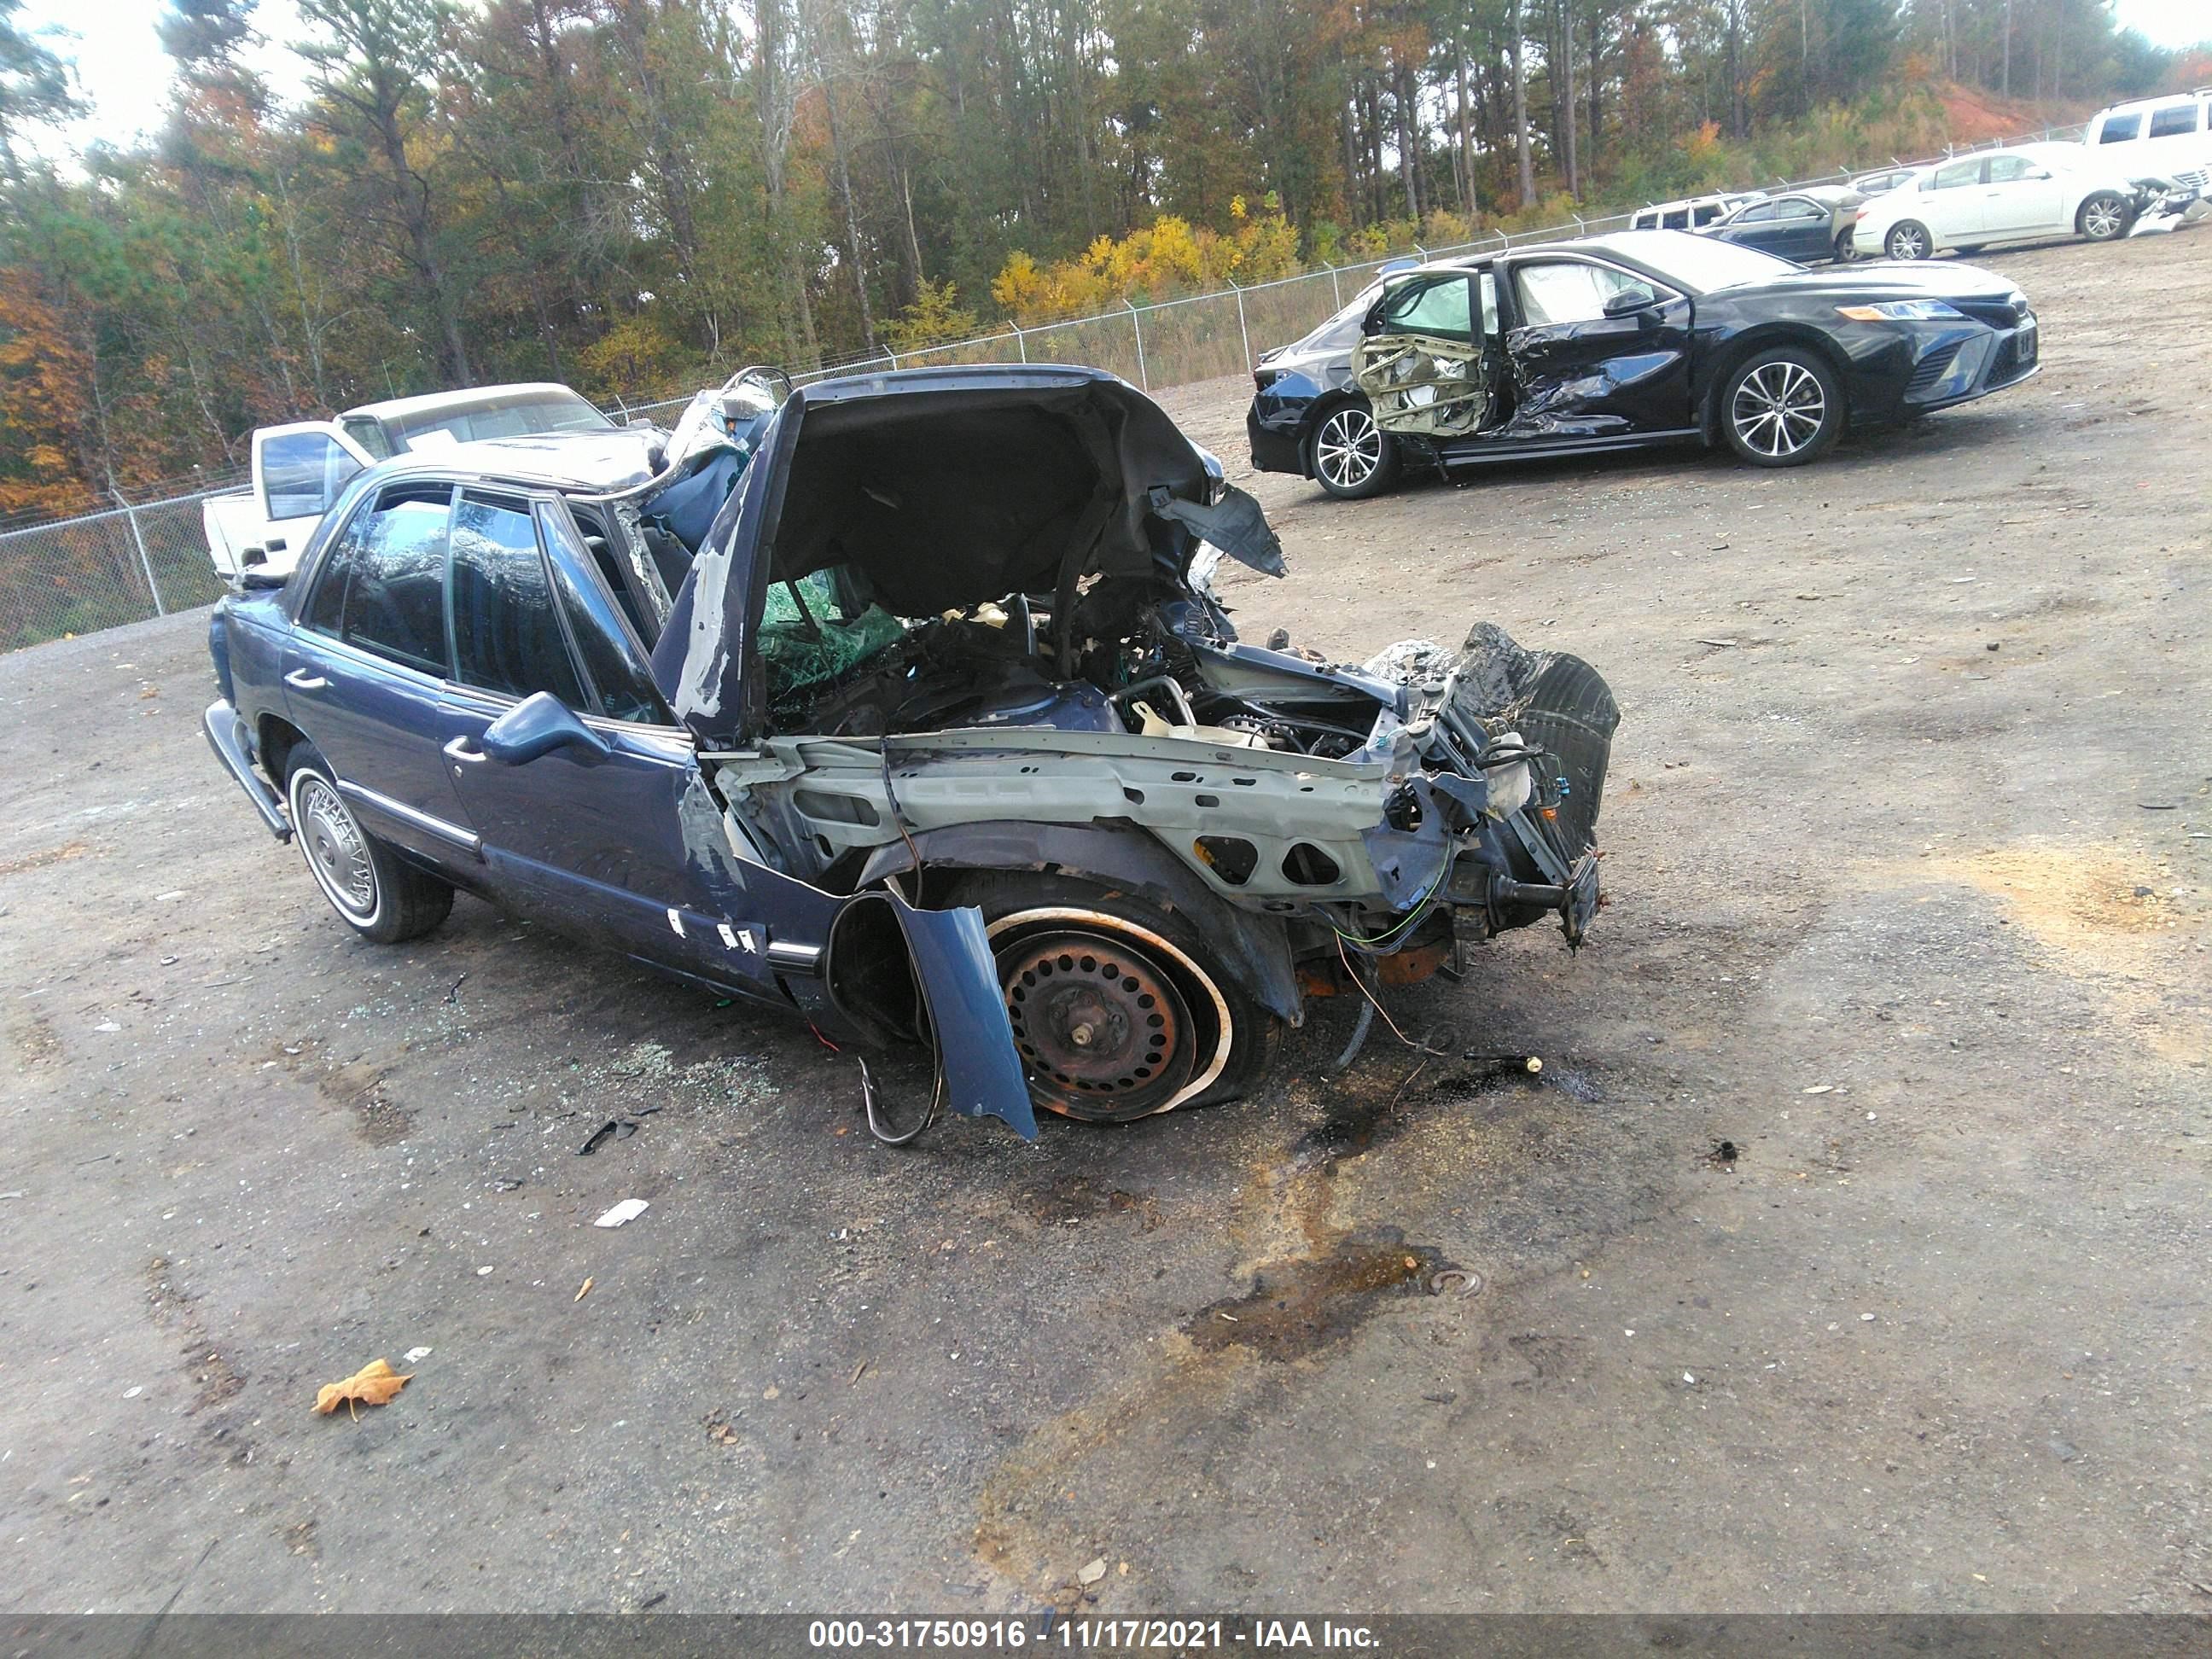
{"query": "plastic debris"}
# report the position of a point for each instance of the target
(415, 1356)
(628, 1210)
(374, 1384)
(1092, 1571)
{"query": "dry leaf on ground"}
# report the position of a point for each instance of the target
(374, 1384)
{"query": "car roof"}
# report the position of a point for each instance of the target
(577, 463)
(467, 397)
(2201, 95)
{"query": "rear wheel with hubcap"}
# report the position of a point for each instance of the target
(1119, 1008)
(1908, 239)
(1782, 407)
(1351, 456)
(375, 892)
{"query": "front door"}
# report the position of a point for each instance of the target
(2022, 199)
(1596, 350)
(591, 843)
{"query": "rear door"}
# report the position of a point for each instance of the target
(1421, 363)
(1950, 201)
(2022, 197)
(365, 667)
(298, 472)
(1755, 227)
(1581, 374)
(591, 843)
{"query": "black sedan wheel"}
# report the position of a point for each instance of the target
(375, 892)
(1781, 407)
(1846, 250)
(1352, 458)
(2102, 217)
(1908, 239)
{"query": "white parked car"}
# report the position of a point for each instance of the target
(2168, 137)
(299, 469)
(1997, 195)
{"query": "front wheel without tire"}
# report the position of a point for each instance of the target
(2102, 217)
(1908, 240)
(1350, 456)
(1782, 407)
(375, 892)
(1119, 1008)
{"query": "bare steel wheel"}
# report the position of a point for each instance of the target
(1100, 1024)
(375, 891)
(1121, 1008)
(1353, 457)
(1781, 407)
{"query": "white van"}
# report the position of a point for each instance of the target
(2169, 136)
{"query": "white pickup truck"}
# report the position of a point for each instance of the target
(299, 470)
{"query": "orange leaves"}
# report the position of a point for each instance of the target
(374, 1384)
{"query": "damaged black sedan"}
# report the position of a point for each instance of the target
(1626, 341)
(911, 713)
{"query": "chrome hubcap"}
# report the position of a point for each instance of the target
(1906, 243)
(1778, 409)
(2102, 219)
(1348, 448)
(336, 851)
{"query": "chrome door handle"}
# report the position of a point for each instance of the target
(463, 748)
(301, 679)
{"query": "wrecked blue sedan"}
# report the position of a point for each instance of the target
(908, 708)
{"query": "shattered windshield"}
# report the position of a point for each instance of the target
(817, 629)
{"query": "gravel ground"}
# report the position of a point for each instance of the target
(1907, 836)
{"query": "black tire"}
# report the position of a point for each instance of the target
(375, 892)
(1969, 250)
(1847, 252)
(2103, 217)
(1781, 406)
(1348, 455)
(1167, 975)
(1908, 239)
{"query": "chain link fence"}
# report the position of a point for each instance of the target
(149, 559)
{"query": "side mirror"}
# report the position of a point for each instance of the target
(537, 726)
(1629, 301)
(2040, 173)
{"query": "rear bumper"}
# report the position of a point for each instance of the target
(226, 735)
(1276, 438)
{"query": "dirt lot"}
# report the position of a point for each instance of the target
(1908, 845)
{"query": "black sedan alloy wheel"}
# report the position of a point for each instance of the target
(1782, 407)
(1352, 458)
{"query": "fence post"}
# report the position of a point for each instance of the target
(145, 564)
(1021, 340)
(1242, 333)
(1423, 252)
(1137, 323)
(1335, 289)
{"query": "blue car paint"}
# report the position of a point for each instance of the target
(628, 849)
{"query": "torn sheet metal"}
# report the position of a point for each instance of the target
(1424, 383)
(1559, 401)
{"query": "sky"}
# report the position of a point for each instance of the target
(124, 73)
